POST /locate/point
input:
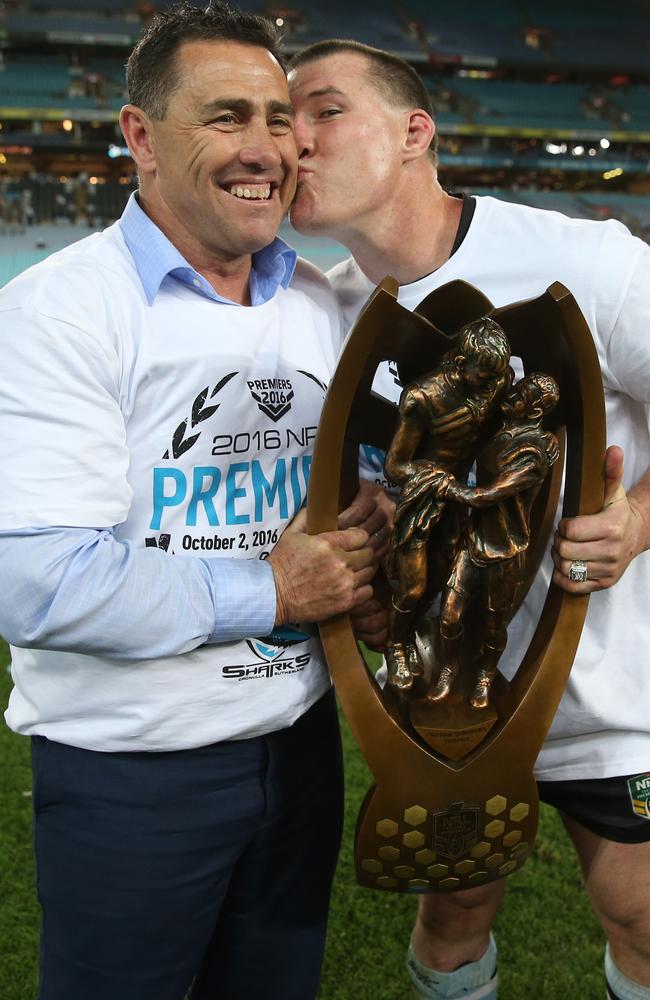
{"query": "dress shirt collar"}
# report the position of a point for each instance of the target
(156, 258)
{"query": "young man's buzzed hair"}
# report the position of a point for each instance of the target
(397, 82)
(151, 73)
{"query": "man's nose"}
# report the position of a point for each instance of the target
(260, 149)
(304, 137)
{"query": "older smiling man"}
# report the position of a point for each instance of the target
(161, 386)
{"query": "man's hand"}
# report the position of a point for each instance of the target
(373, 510)
(608, 541)
(370, 623)
(317, 576)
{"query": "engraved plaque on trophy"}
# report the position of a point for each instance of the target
(479, 457)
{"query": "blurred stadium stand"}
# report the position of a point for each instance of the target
(544, 102)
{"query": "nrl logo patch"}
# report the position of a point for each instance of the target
(455, 831)
(272, 395)
(639, 789)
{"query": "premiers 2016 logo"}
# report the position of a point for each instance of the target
(272, 395)
(270, 657)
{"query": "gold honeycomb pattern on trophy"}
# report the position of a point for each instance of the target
(496, 805)
(405, 857)
(415, 815)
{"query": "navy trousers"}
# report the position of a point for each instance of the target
(205, 871)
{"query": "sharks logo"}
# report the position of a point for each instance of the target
(271, 646)
(270, 657)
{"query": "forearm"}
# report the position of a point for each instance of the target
(501, 488)
(80, 590)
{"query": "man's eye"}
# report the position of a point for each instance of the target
(226, 119)
(283, 124)
(329, 112)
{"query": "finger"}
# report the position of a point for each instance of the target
(374, 641)
(572, 587)
(590, 551)
(375, 522)
(361, 595)
(299, 523)
(589, 528)
(383, 550)
(359, 511)
(380, 538)
(366, 613)
(609, 547)
(349, 540)
(363, 576)
(614, 489)
(604, 573)
(371, 607)
(360, 559)
(370, 497)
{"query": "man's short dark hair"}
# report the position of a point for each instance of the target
(151, 72)
(396, 81)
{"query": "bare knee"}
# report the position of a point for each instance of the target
(617, 879)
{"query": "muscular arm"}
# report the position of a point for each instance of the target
(512, 480)
(400, 463)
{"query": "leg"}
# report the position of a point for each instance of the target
(500, 585)
(454, 927)
(269, 939)
(401, 654)
(451, 938)
(134, 855)
(617, 880)
(456, 598)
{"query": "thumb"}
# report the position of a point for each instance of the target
(614, 489)
(299, 523)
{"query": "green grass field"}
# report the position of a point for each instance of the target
(550, 947)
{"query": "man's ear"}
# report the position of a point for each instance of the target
(419, 134)
(137, 130)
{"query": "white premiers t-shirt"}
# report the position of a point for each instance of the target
(511, 253)
(187, 425)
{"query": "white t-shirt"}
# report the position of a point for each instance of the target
(510, 253)
(185, 424)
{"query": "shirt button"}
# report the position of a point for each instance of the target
(197, 283)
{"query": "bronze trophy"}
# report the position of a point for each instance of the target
(450, 742)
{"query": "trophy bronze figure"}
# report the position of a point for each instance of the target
(479, 458)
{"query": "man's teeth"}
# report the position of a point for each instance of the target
(260, 191)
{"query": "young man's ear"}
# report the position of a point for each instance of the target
(419, 135)
(137, 131)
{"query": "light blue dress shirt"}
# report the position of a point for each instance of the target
(94, 594)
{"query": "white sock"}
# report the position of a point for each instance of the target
(619, 987)
(473, 981)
